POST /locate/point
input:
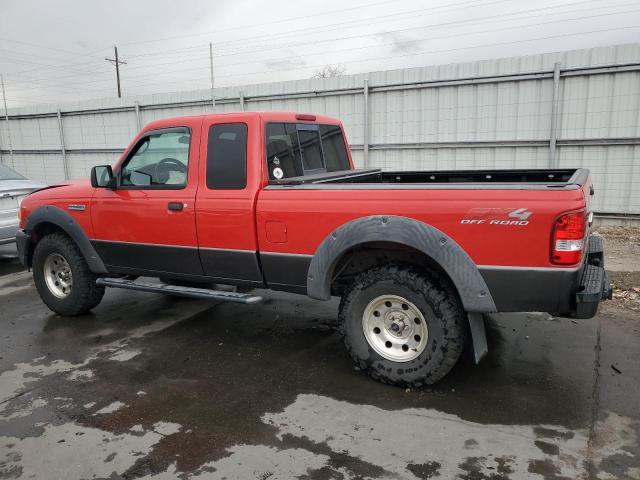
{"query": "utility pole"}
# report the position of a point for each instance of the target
(117, 63)
(213, 98)
(6, 116)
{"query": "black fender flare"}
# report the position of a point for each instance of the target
(60, 218)
(464, 273)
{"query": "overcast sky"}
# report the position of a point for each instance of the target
(53, 50)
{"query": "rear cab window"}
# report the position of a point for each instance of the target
(227, 157)
(300, 149)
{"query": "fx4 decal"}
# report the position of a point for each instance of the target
(497, 216)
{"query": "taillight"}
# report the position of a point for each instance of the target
(568, 238)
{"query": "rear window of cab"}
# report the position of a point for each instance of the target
(299, 149)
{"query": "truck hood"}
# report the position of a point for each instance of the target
(81, 187)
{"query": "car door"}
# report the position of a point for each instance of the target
(147, 223)
(230, 178)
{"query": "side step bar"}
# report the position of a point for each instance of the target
(191, 292)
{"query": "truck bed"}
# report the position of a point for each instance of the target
(489, 179)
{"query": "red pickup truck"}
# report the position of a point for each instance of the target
(272, 200)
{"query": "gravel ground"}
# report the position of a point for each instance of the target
(622, 249)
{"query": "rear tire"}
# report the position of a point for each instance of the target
(402, 326)
(62, 277)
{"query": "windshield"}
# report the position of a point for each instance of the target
(8, 174)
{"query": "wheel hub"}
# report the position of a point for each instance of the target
(395, 328)
(58, 275)
(398, 324)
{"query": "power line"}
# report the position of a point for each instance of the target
(424, 52)
(89, 54)
(367, 22)
(207, 33)
(21, 53)
(196, 55)
(177, 51)
(182, 82)
(220, 46)
(464, 34)
(408, 29)
(36, 45)
(350, 37)
(243, 41)
(371, 46)
(314, 15)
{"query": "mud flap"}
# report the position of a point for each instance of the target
(478, 336)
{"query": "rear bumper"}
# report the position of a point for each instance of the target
(568, 292)
(594, 283)
(23, 241)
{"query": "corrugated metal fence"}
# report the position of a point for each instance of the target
(569, 109)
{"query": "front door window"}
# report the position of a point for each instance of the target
(159, 160)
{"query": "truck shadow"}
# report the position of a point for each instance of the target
(9, 264)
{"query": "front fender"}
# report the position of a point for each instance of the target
(60, 218)
(441, 248)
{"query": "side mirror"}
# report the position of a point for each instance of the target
(140, 179)
(102, 177)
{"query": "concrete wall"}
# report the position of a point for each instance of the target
(485, 114)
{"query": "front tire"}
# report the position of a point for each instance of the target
(62, 277)
(402, 326)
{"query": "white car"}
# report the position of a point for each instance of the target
(13, 188)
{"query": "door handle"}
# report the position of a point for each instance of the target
(175, 206)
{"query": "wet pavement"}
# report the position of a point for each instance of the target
(155, 387)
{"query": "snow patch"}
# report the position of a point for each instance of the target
(82, 375)
(74, 451)
(112, 407)
(124, 355)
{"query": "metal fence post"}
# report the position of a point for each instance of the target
(1, 162)
(6, 116)
(137, 108)
(242, 101)
(553, 135)
(365, 120)
(63, 149)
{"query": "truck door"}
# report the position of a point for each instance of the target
(225, 210)
(148, 221)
